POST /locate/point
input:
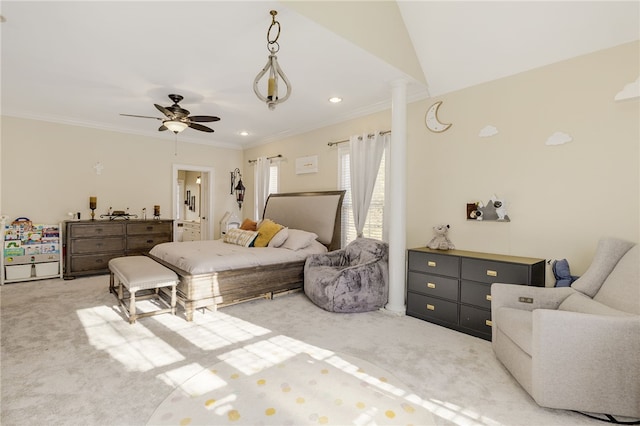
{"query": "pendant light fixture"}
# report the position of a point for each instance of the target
(275, 72)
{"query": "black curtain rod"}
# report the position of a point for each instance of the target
(268, 158)
(370, 135)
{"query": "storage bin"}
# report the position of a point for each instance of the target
(47, 269)
(17, 272)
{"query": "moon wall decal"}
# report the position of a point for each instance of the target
(431, 119)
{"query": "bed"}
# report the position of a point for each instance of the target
(213, 273)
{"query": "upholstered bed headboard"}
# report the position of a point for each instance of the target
(318, 212)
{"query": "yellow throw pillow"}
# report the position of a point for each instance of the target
(266, 232)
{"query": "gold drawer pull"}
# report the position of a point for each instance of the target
(430, 307)
(488, 297)
(492, 273)
(488, 322)
(431, 285)
(431, 263)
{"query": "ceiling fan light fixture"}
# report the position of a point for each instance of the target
(175, 126)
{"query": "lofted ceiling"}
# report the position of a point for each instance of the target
(86, 62)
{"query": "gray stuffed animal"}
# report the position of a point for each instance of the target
(441, 241)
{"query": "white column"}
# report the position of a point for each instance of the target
(398, 199)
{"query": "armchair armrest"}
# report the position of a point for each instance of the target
(586, 362)
(527, 297)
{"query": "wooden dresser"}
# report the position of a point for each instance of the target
(453, 288)
(90, 244)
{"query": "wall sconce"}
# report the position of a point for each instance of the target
(274, 69)
(198, 180)
(238, 188)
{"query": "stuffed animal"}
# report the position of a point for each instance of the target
(441, 241)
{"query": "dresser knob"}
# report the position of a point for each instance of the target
(488, 322)
(431, 285)
(488, 297)
(431, 264)
(430, 307)
(492, 273)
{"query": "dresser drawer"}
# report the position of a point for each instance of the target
(475, 319)
(93, 245)
(433, 285)
(434, 263)
(145, 242)
(473, 293)
(494, 272)
(92, 263)
(97, 230)
(431, 307)
(148, 228)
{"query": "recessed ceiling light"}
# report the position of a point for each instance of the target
(335, 100)
(244, 133)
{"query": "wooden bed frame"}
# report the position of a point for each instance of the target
(318, 212)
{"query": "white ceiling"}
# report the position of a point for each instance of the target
(86, 62)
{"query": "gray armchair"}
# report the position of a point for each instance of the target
(577, 347)
(354, 279)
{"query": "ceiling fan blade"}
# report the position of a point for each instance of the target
(141, 116)
(165, 111)
(200, 127)
(203, 118)
(162, 128)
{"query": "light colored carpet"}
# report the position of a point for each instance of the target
(284, 387)
(68, 357)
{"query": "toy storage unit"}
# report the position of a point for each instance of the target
(30, 252)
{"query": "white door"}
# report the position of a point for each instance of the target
(205, 199)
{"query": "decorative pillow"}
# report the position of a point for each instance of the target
(268, 229)
(299, 239)
(240, 237)
(279, 239)
(249, 225)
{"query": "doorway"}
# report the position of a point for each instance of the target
(192, 202)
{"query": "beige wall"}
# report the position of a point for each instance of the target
(48, 170)
(561, 199)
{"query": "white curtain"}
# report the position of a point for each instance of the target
(262, 164)
(364, 157)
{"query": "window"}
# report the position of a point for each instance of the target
(374, 225)
(273, 179)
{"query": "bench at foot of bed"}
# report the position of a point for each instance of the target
(138, 273)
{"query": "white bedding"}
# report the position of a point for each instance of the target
(202, 257)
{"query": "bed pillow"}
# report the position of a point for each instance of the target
(279, 239)
(299, 239)
(267, 230)
(249, 225)
(240, 237)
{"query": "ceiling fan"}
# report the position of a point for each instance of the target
(177, 118)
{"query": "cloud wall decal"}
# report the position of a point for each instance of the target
(488, 131)
(558, 138)
(630, 91)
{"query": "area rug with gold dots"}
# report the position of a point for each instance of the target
(300, 389)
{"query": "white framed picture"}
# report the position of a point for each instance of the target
(307, 164)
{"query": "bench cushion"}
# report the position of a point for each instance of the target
(141, 272)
